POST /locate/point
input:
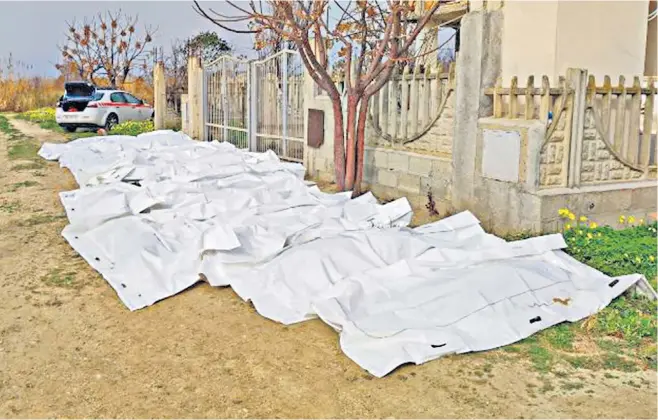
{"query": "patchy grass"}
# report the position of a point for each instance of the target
(56, 277)
(25, 184)
(613, 361)
(10, 206)
(23, 148)
(541, 358)
(546, 387)
(561, 336)
(6, 127)
(39, 219)
(622, 337)
(572, 386)
(28, 166)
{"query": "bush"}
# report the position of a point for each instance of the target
(133, 128)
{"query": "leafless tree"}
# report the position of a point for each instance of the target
(371, 37)
(105, 46)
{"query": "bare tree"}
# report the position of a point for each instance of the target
(371, 37)
(106, 45)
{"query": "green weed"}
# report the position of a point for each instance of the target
(133, 128)
(572, 386)
(546, 387)
(615, 362)
(23, 148)
(28, 166)
(541, 358)
(583, 362)
(561, 336)
(615, 252)
(40, 219)
(10, 206)
(629, 318)
(58, 278)
(25, 184)
(6, 127)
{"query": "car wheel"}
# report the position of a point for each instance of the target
(70, 129)
(111, 122)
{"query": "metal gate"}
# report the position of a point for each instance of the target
(257, 105)
(226, 101)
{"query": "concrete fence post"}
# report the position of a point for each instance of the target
(577, 80)
(478, 67)
(159, 95)
(195, 97)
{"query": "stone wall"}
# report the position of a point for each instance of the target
(599, 163)
(554, 163)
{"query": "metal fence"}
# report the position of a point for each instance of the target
(256, 105)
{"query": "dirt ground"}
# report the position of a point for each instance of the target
(69, 348)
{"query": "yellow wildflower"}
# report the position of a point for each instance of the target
(631, 219)
(567, 226)
(638, 260)
(641, 221)
(589, 236)
(572, 216)
(599, 235)
(652, 258)
(593, 225)
(622, 218)
(580, 232)
(563, 212)
(583, 218)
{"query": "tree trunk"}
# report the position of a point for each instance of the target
(350, 160)
(360, 143)
(339, 144)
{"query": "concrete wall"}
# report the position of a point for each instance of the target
(547, 37)
(414, 169)
(391, 173)
(492, 167)
(508, 200)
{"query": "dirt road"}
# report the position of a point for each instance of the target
(69, 348)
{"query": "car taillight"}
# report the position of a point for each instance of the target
(92, 106)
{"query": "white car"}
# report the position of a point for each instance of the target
(85, 106)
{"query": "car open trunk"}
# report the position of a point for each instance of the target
(77, 95)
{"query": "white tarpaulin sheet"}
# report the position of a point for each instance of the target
(158, 212)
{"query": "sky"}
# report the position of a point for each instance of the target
(31, 30)
(47, 24)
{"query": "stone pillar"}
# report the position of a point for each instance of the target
(195, 98)
(478, 66)
(319, 162)
(159, 95)
(184, 114)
